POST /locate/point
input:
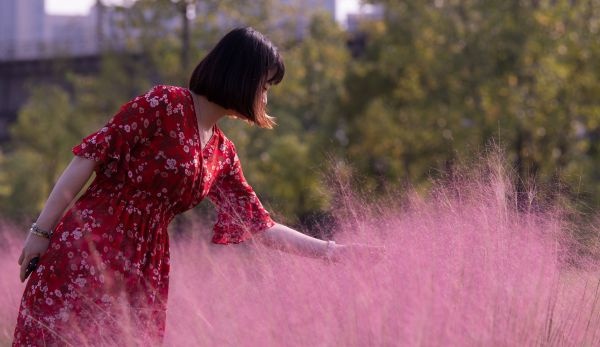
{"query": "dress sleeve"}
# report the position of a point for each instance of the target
(135, 122)
(240, 213)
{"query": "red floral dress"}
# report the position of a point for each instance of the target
(112, 246)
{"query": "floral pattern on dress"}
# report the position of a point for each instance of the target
(112, 245)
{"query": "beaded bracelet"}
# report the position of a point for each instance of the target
(329, 251)
(39, 232)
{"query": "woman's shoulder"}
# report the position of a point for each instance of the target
(173, 100)
(169, 93)
(170, 88)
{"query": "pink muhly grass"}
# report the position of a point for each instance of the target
(469, 264)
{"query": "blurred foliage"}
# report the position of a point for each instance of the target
(43, 135)
(438, 80)
(429, 84)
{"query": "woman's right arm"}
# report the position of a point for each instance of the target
(66, 188)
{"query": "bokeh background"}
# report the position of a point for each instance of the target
(399, 92)
(454, 131)
(393, 92)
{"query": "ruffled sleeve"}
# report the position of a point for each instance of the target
(240, 214)
(135, 122)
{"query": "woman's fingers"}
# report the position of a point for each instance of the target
(34, 247)
(22, 272)
(24, 266)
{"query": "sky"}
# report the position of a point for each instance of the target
(81, 7)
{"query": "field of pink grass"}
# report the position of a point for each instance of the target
(464, 267)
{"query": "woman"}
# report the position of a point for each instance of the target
(159, 156)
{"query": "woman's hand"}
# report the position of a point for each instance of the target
(34, 246)
(373, 254)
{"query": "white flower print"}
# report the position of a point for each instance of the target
(171, 164)
(80, 281)
(63, 314)
(77, 234)
(105, 298)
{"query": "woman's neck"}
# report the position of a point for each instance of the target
(207, 112)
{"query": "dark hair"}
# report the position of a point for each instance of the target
(235, 70)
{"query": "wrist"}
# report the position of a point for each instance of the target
(44, 224)
(36, 230)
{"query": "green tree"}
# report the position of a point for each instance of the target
(42, 137)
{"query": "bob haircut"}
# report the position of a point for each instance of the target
(235, 71)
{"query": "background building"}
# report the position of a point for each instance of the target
(21, 27)
(27, 32)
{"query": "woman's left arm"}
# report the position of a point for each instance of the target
(289, 240)
(240, 216)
